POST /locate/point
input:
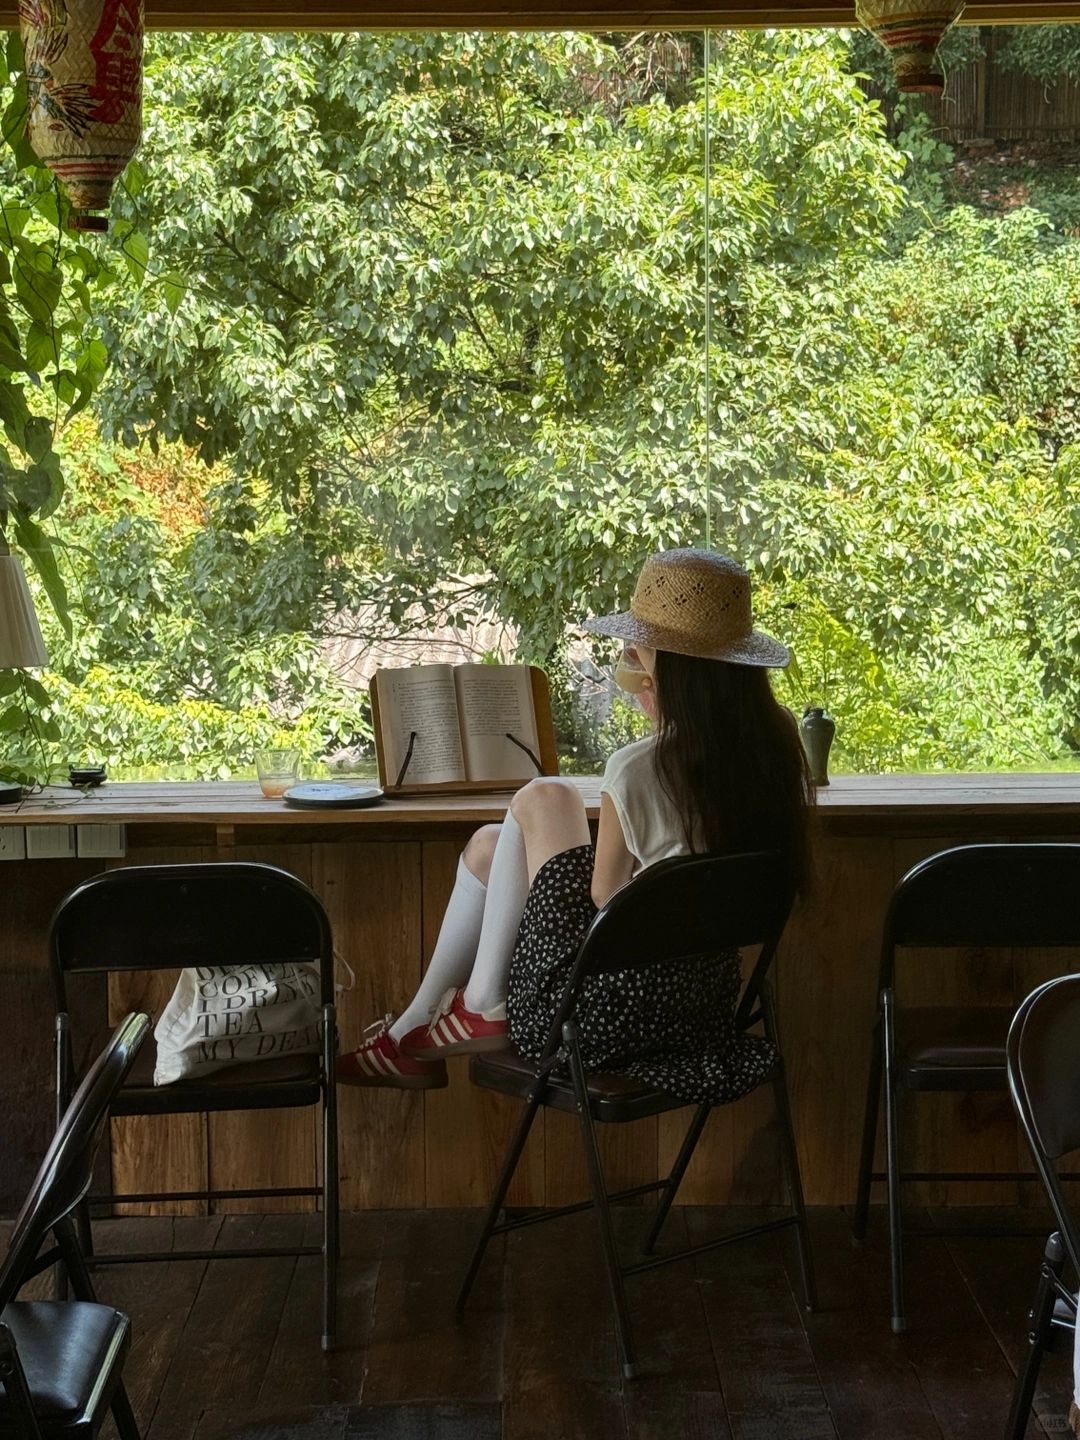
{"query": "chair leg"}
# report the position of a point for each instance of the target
(127, 1426)
(892, 1165)
(330, 1195)
(62, 1078)
(74, 1262)
(86, 1232)
(789, 1155)
(502, 1185)
(869, 1137)
(674, 1180)
(601, 1208)
(1038, 1337)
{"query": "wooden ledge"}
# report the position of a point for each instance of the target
(852, 802)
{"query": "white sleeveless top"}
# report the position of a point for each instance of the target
(651, 826)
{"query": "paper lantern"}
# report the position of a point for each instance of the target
(911, 31)
(84, 92)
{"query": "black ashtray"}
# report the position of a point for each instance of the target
(10, 793)
(82, 775)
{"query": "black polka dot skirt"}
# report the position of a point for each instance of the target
(671, 1026)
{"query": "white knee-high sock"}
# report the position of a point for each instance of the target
(508, 889)
(455, 950)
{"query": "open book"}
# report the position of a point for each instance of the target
(455, 724)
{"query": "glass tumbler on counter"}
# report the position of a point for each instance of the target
(278, 771)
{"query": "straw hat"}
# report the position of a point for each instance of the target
(694, 602)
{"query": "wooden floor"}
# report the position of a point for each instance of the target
(233, 1346)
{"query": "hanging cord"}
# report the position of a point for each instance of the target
(708, 289)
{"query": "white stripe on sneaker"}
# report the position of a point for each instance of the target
(462, 1032)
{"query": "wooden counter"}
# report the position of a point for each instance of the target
(385, 874)
(850, 799)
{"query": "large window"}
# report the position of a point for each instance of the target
(440, 335)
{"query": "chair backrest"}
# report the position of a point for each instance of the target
(679, 909)
(163, 917)
(1020, 895)
(1043, 1060)
(68, 1168)
(1016, 894)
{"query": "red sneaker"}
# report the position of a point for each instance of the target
(381, 1061)
(457, 1031)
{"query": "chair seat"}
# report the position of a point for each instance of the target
(289, 1080)
(613, 1099)
(952, 1047)
(71, 1353)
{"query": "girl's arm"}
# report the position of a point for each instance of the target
(614, 864)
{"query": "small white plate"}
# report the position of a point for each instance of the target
(332, 795)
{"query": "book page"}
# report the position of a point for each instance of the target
(421, 698)
(494, 701)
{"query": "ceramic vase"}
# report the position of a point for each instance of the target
(84, 95)
(818, 730)
(911, 30)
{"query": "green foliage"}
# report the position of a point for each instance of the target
(52, 360)
(442, 314)
(166, 668)
(1048, 52)
(51, 357)
(430, 308)
(195, 739)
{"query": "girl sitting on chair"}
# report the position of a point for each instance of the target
(724, 772)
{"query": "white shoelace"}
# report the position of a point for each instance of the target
(377, 1028)
(445, 1005)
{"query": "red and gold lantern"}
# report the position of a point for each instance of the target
(84, 90)
(911, 31)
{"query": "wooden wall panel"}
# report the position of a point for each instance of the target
(156, 1152)
(466, 1129)
(29, 892)
(629, 1153)
(153, 1153)
(386, 898)
(1033, 968)
(737, 1159)
(374, 894)
(954, 1132)
(826, 989)
(261, 1149)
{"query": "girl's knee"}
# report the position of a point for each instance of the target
(546, 797)
(480, 851)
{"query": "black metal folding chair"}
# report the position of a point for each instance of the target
(60, 1360)
(676, 910)
(1044, 1081)
(995, 896)
(160, 917)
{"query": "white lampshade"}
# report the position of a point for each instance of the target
(21, 645)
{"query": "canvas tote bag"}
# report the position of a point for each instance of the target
(229, 1015)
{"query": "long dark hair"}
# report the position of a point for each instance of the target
(729, 757)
